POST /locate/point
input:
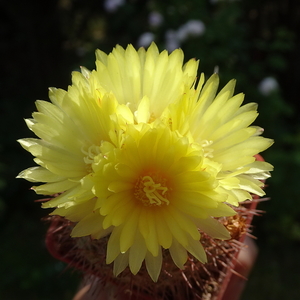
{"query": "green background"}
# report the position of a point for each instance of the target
(42, 42)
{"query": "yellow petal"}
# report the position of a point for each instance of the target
(113, 245)
(39, 174)
(143, 112)
(178, 254)
(164, 235)
(196, 249)
(129, 229)
(88, 225)
(120, 263)
(153, 265)
(213, 228)
(55, 187)
(137, 254)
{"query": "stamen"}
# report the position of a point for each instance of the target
(151, 193)
(208, 152)
(92, 151)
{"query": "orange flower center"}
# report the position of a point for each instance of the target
(151, 190)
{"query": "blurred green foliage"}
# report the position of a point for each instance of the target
(42, 42)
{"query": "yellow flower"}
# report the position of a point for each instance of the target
(140, 151)
(154, 191)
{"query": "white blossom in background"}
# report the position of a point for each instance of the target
(155, 19)
(192, 28)
(172, 41)
(174, 38)
(145, 39)
(268, 85)
(113, 5)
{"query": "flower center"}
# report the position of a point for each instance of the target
(151, 190)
